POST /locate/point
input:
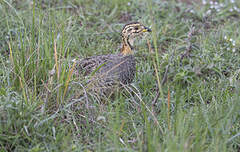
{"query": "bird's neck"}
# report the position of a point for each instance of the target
(126, 47)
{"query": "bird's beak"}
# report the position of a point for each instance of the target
(146, 29)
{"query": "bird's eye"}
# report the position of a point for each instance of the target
(136, 28)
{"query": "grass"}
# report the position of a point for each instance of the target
(198, 49)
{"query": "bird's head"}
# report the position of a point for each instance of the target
(129, 33)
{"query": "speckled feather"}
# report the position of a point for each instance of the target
(109, 69)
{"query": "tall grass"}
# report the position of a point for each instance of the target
(198, 106)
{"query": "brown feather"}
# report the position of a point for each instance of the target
(112, 69)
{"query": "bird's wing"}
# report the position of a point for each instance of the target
(92, 64)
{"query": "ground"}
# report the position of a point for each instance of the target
(185, 96)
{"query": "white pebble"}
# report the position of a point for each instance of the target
(234, 50)
(235, 8)
(233, 43)
(204, 2)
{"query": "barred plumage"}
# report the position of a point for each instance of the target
(110, 70)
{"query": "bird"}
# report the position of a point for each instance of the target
(111, 70)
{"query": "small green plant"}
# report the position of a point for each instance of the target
(185, 96)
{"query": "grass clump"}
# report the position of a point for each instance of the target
(192, 59)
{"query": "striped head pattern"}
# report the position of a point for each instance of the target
(129, 32)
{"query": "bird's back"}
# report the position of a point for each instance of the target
(109, 69)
